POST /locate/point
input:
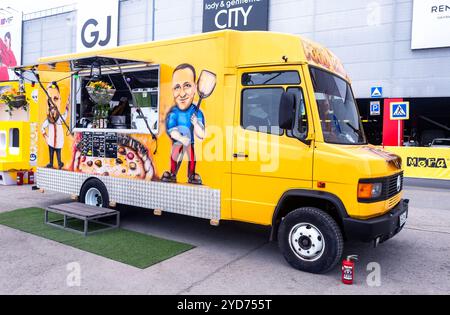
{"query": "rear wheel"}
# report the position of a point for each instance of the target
(310, 240)
(94, 193)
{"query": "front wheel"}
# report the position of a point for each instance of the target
(310, 240)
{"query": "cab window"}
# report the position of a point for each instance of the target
(260, 104)
(270, 78)
(260, 110)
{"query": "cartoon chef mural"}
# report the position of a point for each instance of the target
(52, 128)
(185, 121)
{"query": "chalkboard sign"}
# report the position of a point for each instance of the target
(86, 144)
(111, 145)
(98, 144)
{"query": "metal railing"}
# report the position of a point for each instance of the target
(50, 12)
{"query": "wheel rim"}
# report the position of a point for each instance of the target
(307, 242)
(94, 198)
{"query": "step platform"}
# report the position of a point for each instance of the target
(8, 178)
(87, 214)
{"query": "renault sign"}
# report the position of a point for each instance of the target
(244, 15)
(431, 22)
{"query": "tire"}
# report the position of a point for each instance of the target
(94, 193)
(319, 239)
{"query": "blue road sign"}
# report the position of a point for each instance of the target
(375, 108)
(399, 111)
(376, 92)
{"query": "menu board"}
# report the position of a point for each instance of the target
(99, 144)
(86, 144)
(111, 145)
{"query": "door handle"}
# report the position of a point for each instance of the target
(240, 155)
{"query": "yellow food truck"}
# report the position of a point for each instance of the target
(18, 133)
(256, 127)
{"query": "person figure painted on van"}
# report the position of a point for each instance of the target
(184, 122)
(52, 128)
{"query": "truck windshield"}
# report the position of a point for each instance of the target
(337, 109)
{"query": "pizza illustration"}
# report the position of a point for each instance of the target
(131, 162)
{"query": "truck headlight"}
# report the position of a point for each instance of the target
(369, 190)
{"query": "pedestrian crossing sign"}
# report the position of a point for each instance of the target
(399, 111)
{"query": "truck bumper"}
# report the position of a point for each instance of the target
(382, 228)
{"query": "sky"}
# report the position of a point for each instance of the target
(29, 6)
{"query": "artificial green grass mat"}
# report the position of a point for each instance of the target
(129, 247)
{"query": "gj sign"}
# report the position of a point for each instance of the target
(97, 25)
(244, 15)
(94, 37)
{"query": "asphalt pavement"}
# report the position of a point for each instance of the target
(234, 258)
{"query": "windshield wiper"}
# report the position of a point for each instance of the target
(353, 128)
(358, 132)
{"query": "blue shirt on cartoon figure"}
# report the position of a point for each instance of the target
(181, 121)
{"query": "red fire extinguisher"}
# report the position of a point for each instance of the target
(348, 269)
(19, 178)
(30, 177)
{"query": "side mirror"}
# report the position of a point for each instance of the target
(287, 111)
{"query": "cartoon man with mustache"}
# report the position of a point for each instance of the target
(54, 125)
(185, 121)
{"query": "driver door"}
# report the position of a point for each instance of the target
(267, 161)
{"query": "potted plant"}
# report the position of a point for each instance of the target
(14, 100)
(101, 93)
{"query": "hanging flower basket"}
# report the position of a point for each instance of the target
(14, 100)
(100, 92)
(19, 101)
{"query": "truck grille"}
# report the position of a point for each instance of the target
(391, 185)
(393, 201)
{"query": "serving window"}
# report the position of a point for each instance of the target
(14, 141)
(123, 100)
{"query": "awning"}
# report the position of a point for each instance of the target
(83, 64)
